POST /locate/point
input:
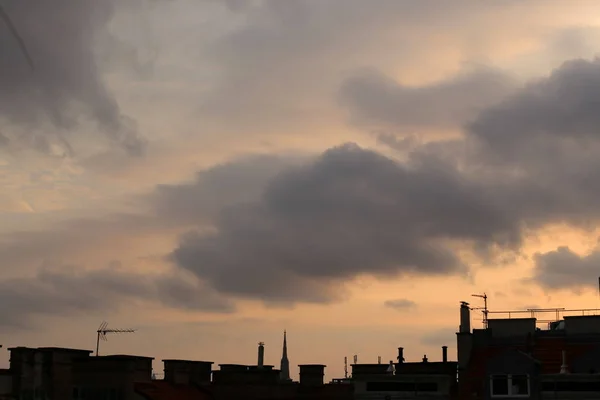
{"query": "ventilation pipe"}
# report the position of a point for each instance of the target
(444, 353)
(261, 354)
(400, 355)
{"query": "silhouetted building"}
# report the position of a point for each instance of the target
(513, 357)
(111, 377)
(406, 380)
(45, 372)
(5, 384)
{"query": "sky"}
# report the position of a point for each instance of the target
(211, 173)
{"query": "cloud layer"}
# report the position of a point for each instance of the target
(73, 290)
(43, 107)
(378, 102)
(285, 230)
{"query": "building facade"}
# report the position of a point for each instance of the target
(516, 358)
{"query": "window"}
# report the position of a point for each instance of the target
(509, 385)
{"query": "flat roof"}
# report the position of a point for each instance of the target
(65, 349)
(312, 365)
(121, 357)
(233, 365)
(188, 361)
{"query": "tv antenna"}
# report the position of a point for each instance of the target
(484, 309)
(103, 330)
(345, 367)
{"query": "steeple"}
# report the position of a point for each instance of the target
(285, 363)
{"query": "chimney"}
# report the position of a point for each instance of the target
(465, 318)
(261, 354)
(425, 358)
(400, 355)
(444, 353)
(312, 374)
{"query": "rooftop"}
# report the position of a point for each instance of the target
(188, 361)
(121, 357)
(63, 349)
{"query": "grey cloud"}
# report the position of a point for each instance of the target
(565, 269)
(222, 185)
(526, 162)
(377, 101)
(66, 86)
(307, 47)
(72, 290)
(400, 304)
(541, 149)
(351, 211)
(299, 233)
(559, 107)
(166, 208)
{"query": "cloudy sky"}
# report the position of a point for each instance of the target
(214, 172)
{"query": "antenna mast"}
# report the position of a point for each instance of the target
(484, 309)
(103, 330)
(345, 367)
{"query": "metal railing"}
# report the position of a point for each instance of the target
(559, 314)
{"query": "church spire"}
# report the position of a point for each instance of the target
(285, 364)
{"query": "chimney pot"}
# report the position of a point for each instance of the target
(400, 355)
(444, 353)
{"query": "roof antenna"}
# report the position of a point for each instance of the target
(11, 27)
(484, 309)
(346, 367)
(103, 330)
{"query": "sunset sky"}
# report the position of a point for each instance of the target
(212, 172)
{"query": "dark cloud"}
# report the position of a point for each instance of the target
(66, 88)
(526, 162)
(400, 304)
(540, 147)
(73, 290)
(223, 185)
(351, 211)
(376, 101)
(559, 108)
(565, 269)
